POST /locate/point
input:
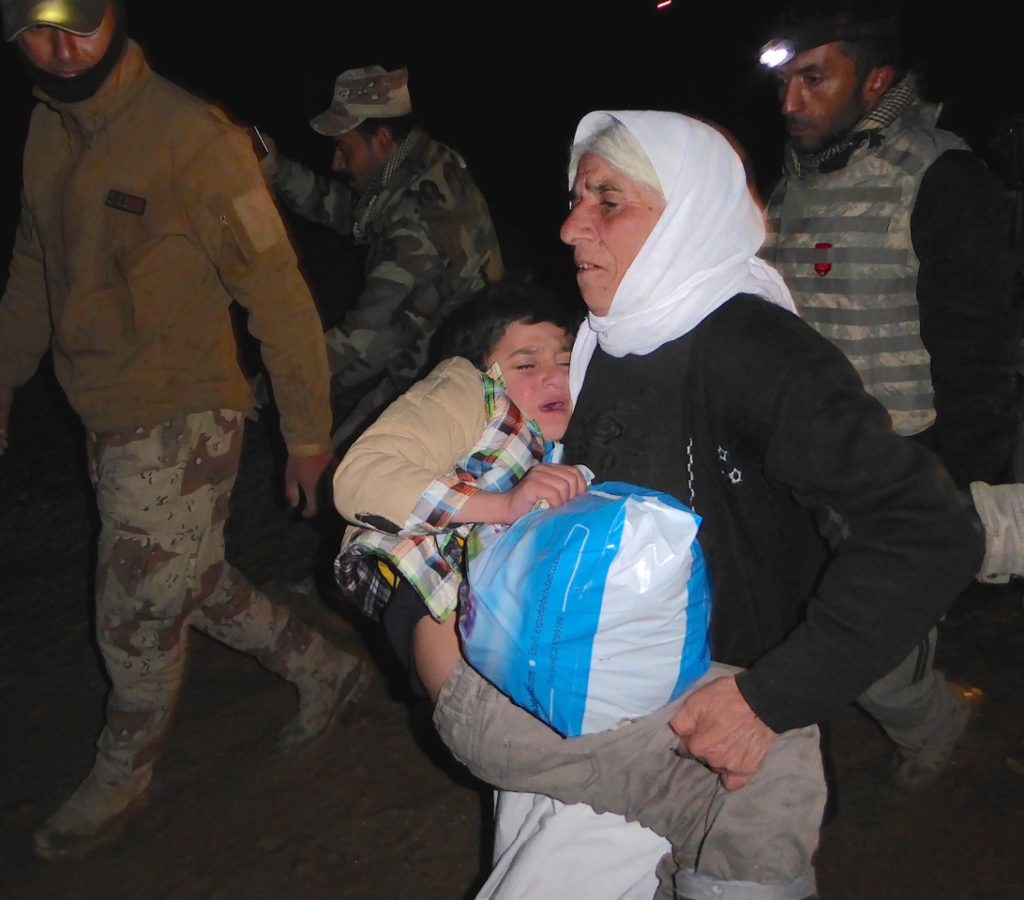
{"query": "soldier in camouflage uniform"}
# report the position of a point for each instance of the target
(144, 215)
(430, 239)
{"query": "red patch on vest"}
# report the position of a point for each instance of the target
(821, 264)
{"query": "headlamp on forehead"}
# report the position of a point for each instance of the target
(797, 38)
(793, 40)
(776, 53)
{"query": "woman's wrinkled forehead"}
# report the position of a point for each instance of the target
(681, 150)
(617, 146)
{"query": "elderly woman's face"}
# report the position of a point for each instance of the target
(611, 216)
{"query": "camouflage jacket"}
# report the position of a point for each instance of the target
(431, 244)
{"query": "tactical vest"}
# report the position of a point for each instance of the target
(842, 242)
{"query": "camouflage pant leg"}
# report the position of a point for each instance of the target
(354, 413)
(163, 497)
(237, 614)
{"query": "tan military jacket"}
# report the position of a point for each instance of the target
(144, 215)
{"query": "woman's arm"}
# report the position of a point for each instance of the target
(908, 541)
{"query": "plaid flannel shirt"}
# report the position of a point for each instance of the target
(427, 551)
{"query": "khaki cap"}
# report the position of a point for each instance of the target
(367, 93)
(76, 16)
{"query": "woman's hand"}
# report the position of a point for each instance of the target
(716, 726)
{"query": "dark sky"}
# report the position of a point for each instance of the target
(505, 82)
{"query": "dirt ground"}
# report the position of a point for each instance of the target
(375, 810)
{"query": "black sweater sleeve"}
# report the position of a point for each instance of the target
(960, 230)
(910, 543)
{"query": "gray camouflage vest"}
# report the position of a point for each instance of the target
(842, 242)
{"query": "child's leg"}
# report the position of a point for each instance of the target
(427, 649)
(761, 836)
(435, 651)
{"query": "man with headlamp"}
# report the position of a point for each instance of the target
(892, 237)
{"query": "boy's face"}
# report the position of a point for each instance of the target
(534, 361)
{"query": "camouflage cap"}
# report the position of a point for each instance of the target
(361, 94)
(76, 16)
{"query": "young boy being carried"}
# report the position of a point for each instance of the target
(467, 445)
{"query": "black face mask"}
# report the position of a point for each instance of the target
(82, 87)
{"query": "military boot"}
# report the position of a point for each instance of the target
(95, 813)
(327, 679)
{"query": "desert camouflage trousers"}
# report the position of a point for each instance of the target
(163, 497)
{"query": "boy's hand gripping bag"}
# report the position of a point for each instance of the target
(590, 613)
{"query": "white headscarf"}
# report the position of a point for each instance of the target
(701, 251)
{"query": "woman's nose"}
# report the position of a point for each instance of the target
(575, 226)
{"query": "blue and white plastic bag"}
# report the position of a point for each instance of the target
(590, 613)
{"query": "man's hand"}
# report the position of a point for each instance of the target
(6, 399)
(716, 726)
(302, 475)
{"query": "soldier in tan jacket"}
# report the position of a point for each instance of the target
(144, 215)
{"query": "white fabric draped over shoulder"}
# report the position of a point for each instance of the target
(701, 252)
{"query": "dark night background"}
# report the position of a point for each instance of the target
(505, 83)
(359, 819)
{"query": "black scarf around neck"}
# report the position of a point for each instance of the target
(82, 87)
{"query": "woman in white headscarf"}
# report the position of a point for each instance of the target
(674, 194)
(716, 393)
(693, 376)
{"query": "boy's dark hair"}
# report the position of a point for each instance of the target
(478, 325)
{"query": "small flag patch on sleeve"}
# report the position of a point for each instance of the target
(126, 202)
